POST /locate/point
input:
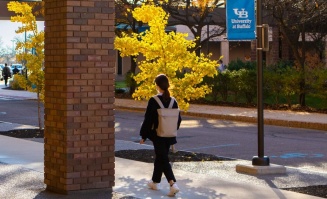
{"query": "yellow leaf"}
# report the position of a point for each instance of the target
(165, 53)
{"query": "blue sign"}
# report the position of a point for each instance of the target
(241, 24)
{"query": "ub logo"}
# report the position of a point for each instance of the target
(241, 13)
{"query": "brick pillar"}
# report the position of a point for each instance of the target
(79, 97)
(253, 50)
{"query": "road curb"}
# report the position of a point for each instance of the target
(267, 121)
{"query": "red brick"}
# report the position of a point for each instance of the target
(80, 143)
(101, 136)
(94, 155)
(108, 166)
(88, 149)
(72, 187)
(94, 179)
(100, 185)
(94, 142)
(80, 155)
(101, 148)
(87, 174)
(79, 97)
(87, 137)
(80, 181)
(101, 173)
(73, 175)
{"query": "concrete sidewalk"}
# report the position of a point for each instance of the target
(21, 176)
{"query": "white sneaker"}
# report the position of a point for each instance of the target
(173, 190)
(153, 185)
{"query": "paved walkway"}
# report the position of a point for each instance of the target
(21, 165)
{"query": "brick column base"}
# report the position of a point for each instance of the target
(79, 95)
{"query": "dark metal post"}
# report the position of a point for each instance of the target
(208, 39)
(260, 160)
(209, 16)
(25, 50)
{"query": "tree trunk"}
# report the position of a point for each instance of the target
(39, 109)
(302, 62)
(302, 93)
(132, 86)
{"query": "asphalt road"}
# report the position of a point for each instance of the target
(301, 148)
(19, 111)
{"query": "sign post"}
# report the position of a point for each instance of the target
(260, 160)
(241, 25)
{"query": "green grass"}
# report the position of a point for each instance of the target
(120, 84)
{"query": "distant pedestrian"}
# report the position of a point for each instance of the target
(161, 144)
(6, 73)
(221, 66)
(15, 70)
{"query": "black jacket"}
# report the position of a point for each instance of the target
(6, 71)
(150, 122)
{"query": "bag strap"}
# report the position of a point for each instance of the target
(160, 103)
(171, 102)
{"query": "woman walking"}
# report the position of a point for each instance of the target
(161, 144)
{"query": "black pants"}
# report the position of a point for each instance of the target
(161, 162)
(6, 79)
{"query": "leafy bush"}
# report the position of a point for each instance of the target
(239, 64)
(281, 81)
(290, 80)
(219, 84)
(317, 78)
(14, 84)
(248, 84)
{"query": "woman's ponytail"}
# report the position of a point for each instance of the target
(163, 83)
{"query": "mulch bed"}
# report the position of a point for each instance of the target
(24, 133)
(146, 155)
(319, 190)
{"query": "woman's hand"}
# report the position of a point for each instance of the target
(142, 141)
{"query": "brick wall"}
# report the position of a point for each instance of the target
(273, 54)
(253, 50)
(79, 95)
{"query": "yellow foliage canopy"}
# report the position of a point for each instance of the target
(33, 62)
(165, 53)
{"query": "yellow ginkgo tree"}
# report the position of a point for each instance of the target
(31, 51)
(166, 53)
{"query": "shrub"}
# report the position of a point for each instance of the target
(14, 84)
(248, 84)
(318, 83)
(276, 77)
(239, 64)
